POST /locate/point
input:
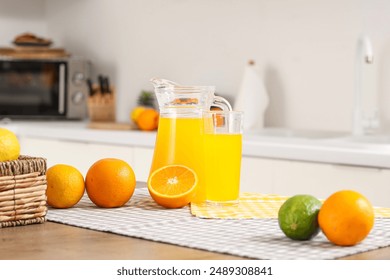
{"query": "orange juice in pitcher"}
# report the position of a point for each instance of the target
(180, 135)
(180, 141)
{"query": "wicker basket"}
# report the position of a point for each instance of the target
(23, 191)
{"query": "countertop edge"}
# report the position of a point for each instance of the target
(264, 147)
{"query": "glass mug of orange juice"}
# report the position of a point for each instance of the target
(223, 151)
(180, 134)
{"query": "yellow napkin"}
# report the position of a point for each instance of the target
(254, 206)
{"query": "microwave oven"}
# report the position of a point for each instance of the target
(44, 88)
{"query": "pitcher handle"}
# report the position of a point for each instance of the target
(222, 103)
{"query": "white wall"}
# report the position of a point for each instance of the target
(19, 16)
(304, 48)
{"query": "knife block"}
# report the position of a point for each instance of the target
(101, 106)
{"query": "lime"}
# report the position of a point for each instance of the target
(298, 217)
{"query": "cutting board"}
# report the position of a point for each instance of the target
(112, 126)
(33, 52)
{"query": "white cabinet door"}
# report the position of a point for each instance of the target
(56, 152)
(142, 161)
(78, 154)
(286, 177)
(374, 183)
(321, 180)
(99, 151)
(259, 175)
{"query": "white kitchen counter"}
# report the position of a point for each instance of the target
(78, 131)
(271, 143)
(340, 149)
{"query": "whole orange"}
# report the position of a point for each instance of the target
(65, 186)
(346, 218)
(148, 119)
(110, 182)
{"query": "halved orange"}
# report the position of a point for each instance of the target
(172, 186)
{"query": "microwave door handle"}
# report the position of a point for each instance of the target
(61, 93)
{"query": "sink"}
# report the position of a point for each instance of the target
(325, 139)
(381, 139)
(276, 132)
(332, 136)
(379, 143)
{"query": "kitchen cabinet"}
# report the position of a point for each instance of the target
(288, 177)
(83, 154)
(142, 161)
(78, 154)
(258, 174)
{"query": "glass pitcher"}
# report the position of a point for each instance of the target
(180, 129)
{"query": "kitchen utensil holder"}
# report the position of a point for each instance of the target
(101, 106)
(23, 191)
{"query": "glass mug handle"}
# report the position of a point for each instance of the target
(222, 103)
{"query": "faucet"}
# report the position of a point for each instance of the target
(361, 122)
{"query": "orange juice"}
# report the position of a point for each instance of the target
(223, 162)
(180, 141)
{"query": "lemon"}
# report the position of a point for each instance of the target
(9, 145)
(65, 186)
(136, 112)
(298, 217)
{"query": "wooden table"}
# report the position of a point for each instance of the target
(50, 241)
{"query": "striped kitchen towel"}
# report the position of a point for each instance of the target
(142, 218)
(254, 206)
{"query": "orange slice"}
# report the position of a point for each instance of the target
(173, 186)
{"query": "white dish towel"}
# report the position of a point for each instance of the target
(252, 98)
